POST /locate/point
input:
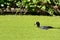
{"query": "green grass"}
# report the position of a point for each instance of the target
(23, 28)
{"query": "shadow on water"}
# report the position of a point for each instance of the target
(55, 28)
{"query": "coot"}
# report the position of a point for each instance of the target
(43, 27)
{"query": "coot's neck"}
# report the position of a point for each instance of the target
(38, 25)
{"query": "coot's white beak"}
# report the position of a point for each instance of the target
(35, 23)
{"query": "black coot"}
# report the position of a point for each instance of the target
(43, 27)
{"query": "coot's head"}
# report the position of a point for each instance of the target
(37, 24)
